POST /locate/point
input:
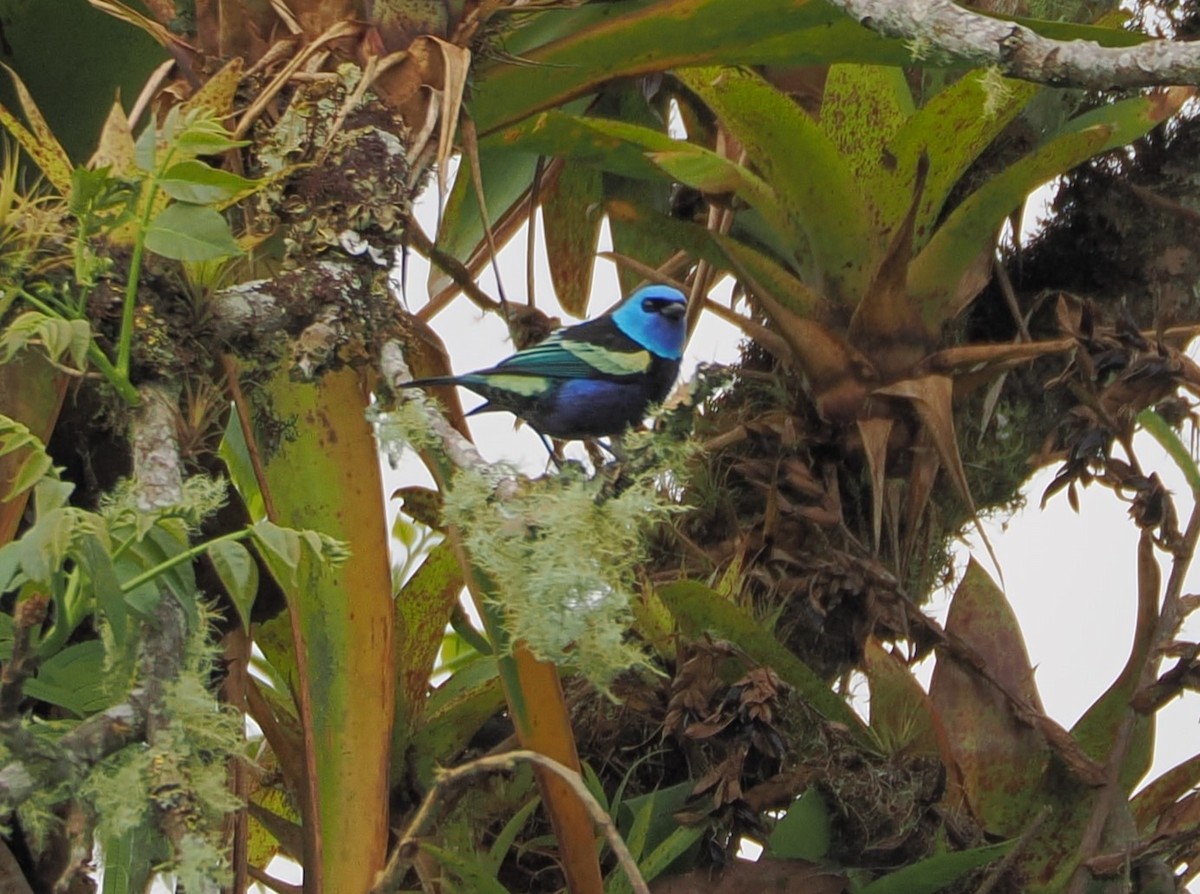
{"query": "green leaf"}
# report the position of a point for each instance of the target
(105, 584)
(36, 464)
(619, 147)
(472, 869)
(937, 276)
(235, 453)
(506, 177)
(281, 550)
(681, 840)
(238, 572)
(129, 857)
(814, 185)
(1000, 758)
(195, 141)
(803, 833)
(186, 232)
(57, 337)
(505, 838)
(43, 548)
(934, 873)
(201, 184)
(952, 129)
(698, 610)
(643, 36)
(145, 150)
(10, 566)
(456, 711)
(38, 140)
(50, 494)
(72, 679)
(572, 211)
(861, 109)
(423, 608)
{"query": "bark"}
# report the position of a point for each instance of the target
(1019, 52)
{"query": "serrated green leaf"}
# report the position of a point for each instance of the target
(201, 184)
(207, 142)
(472, 868)
(10, 566)
(50, 494)
(238, 572)
(36, 465)
(56, 335)
(43, 548)
(146, 148)
(280, 549)
(186, 232)
(72, 679)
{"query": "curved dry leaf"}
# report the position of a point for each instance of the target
(932, 397)
(874, 434)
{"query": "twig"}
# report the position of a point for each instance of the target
(273, 883)
(471, 146)
(1170, 617)
(1010, 298)
(29, 615)
(409, 844)
(452, 267)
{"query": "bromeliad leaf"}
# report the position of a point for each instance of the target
(803, 833)
(185, 232)
(936, 872)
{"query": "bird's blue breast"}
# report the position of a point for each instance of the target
(588, 408)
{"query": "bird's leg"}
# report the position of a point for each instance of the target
(616, 447)
(555, 455)
(595, 451)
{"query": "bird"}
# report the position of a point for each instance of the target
(592, 380)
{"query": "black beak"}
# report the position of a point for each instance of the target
(674, 311)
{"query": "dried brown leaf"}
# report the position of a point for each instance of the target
(874, 434)
(932, 397)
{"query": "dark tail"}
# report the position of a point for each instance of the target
(435, 380)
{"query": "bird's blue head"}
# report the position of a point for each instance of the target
(656, 318)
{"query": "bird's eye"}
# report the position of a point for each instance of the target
(651, 306)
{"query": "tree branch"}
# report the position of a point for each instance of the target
(157, 471)
(1020, 52)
